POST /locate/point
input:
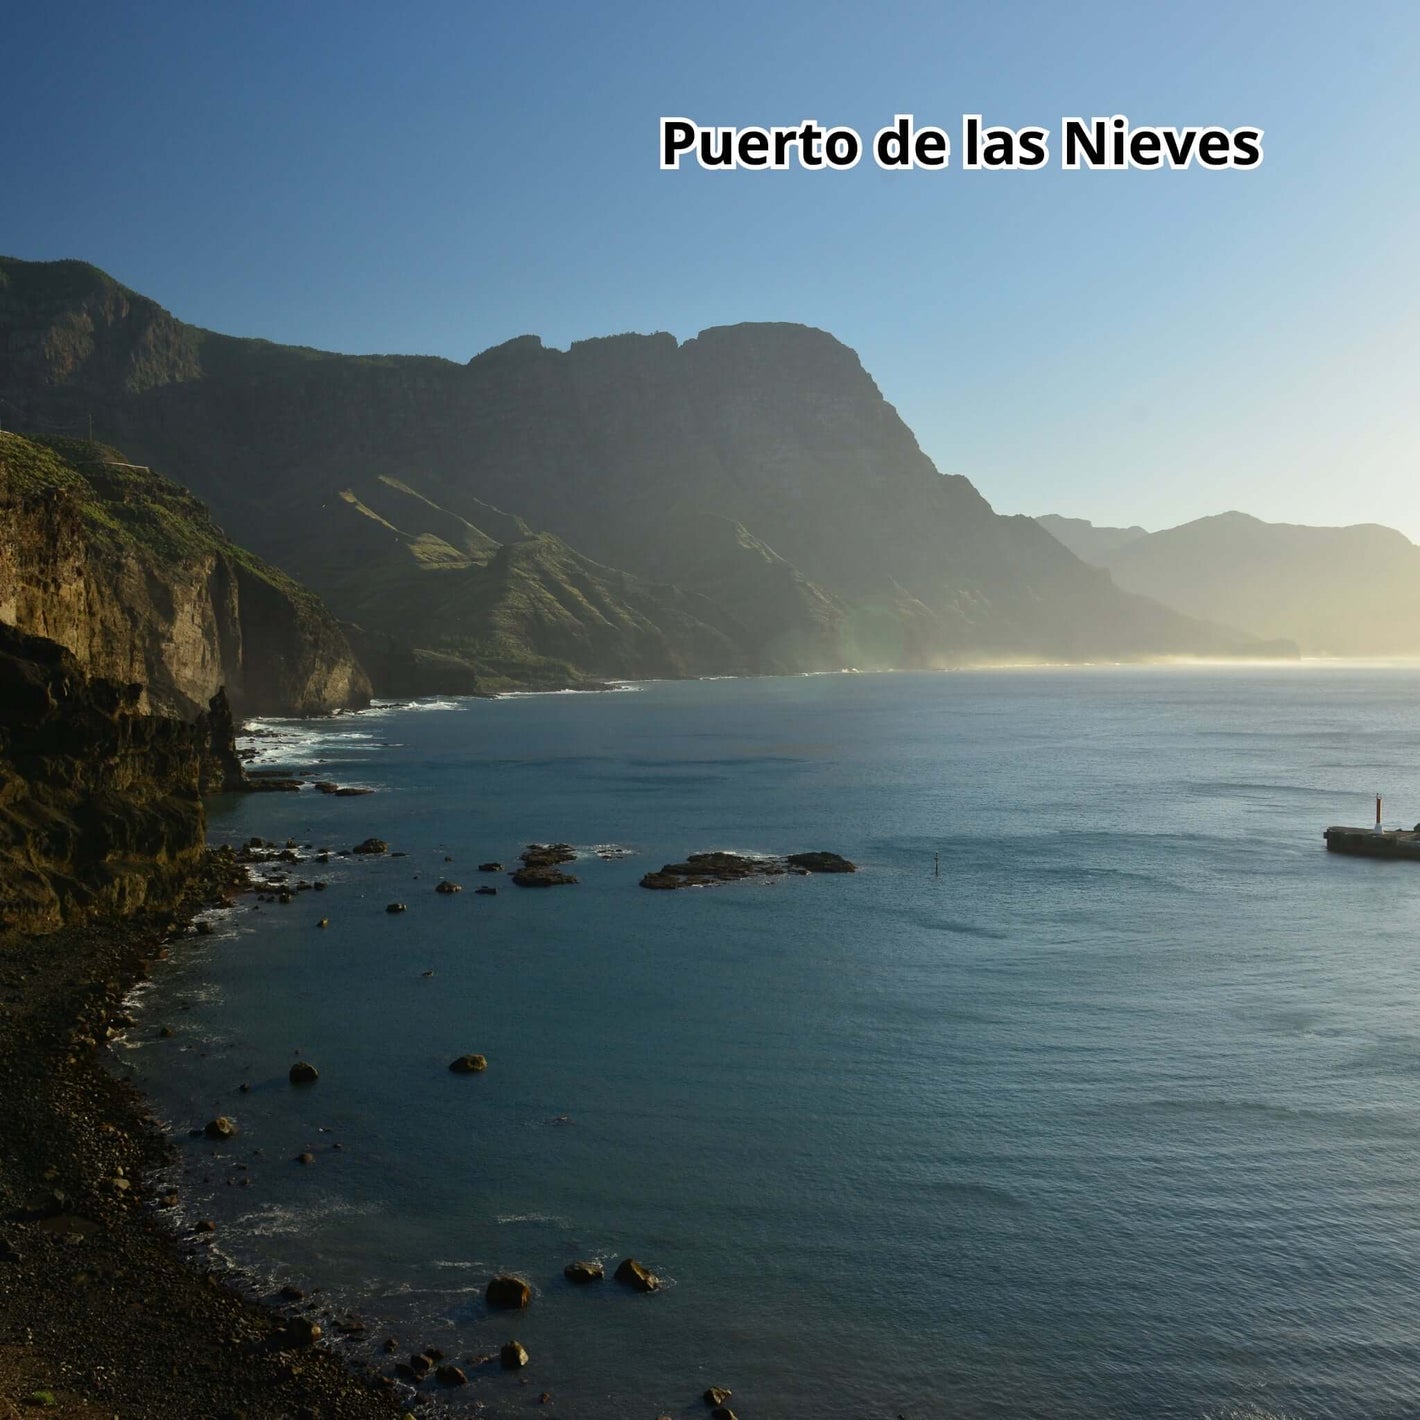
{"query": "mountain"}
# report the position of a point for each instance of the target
(128, 571)
(745, 500)
(1350, 591)
(1085, 540)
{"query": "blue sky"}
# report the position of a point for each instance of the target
(436, 178)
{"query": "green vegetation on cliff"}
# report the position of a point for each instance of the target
(128, 570)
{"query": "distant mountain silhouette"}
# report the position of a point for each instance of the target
(1352, 591)
(742, 501)
(1084, 539)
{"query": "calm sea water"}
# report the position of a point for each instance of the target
(1119, 1116)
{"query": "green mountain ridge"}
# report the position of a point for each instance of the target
(742, 501)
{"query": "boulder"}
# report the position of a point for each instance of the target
(450, 1375)
(542, 877)
(307, 1158)
(490, 867)
(507, 1292)
(303, 1073)
(514, 1355)
(717, 1395)
(631, 1273)
(395, 907)
(300, 1331)
(421, 1364)
(583, 1272)
(469, 1064)
(223, 1127)
(447, 887)
(371, 845)
(547, 855)
(821, 862)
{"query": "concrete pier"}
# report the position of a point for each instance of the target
(1369, 843)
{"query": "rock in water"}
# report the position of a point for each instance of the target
(583, 1272)
(631, 1273)
(450, 1375)
(371, 845)
(303, 1073)
(507, 1292)
(717, 1395)
(514, 1356)
(447, 887)
(223, 1127)
(547, 855)
(490, 867)
(469, 1064)
(396, 907)
(543, 877)
(822, 862)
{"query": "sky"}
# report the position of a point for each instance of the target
(1140, 347)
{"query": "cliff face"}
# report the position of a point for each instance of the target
(100, 804)
(129, 573)
(757, 468)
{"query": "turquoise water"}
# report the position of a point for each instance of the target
(1120, 1116)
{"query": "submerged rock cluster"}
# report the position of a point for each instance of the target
(540, 865)
(707, 869)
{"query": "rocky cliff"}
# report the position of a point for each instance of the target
(755, 471)
(100, 803)
(128, 571)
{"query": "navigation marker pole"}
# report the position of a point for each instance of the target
(1378, 813)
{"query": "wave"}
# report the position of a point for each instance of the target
(611, 688)
(286, 1220)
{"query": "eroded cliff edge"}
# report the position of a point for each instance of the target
(130, 574)
(100, 804)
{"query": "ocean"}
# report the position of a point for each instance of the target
(1117, 1116)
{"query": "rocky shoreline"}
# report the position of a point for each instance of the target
(100, 1314)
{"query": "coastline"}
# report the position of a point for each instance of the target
(103, 1310)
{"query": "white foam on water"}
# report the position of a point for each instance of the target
(276, 1220)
